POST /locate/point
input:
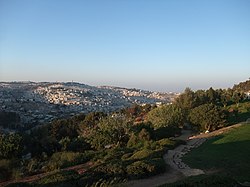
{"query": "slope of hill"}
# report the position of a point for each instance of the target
(45, 101)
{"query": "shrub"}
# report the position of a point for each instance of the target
(140, 169)
(134, 142)
(5, 170)
(126, 156)
(64, 159)
(170, 144)
(116, 153)
(166, 132)
(141, 154)
(109, 182)
(114, 167)
(165, 142)
(58, 177)
(165, 116)
(144, 135)
(9, 169)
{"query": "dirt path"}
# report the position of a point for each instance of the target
(81, 168)
(179, 170)
(172, 158)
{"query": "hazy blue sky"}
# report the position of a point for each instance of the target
(163, 45)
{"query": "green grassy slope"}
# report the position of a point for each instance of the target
(228, 153)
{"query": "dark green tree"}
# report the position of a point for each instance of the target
(11, 145)
(207, 117)
(112, 131)
(165, 116)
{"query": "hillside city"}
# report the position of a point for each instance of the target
(38, 103)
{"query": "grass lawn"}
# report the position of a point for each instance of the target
(228, 153)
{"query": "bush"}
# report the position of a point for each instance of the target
(116, 153)
(113, 167)
(65, 159)
(166, 116)
(170, 144)
(126, 156)
(109, 182)
(166, 132)
(58, 177)
(134, 142)
(165, 142)
(141, 154)
(140, 169)
(5, 170)
(9, 170)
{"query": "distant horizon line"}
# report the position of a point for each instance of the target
(106, 85)
(121, 87)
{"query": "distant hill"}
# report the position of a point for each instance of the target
(40, 102)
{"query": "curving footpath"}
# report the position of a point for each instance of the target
(178, 170)
(173, 157)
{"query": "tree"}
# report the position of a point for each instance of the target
(111, 131)
(91, 120)
(202, 97)
(212, 95)
(10, 145)
(187, 101)
(237, 97)
(207, 117)
(166, 115)
(225, 98)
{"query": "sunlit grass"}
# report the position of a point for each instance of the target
(228, 153)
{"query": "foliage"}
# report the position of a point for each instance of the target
(166, 132)
(207, 117)
(140, 139)
(114, 166)
(10, 145)
(238, 113)
(109, 182)
(58, 177)
(78, 144)
(187, 100)
(63, 128)
(90, 121)
(5, 169)
(167, 143)
(111, 131)
(8, 170)
(141, 154)
(141, 169)
(64, 159)
(165, 116)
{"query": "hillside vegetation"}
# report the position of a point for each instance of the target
(100, 148)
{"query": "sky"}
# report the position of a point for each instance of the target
(158, 45)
